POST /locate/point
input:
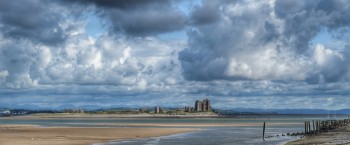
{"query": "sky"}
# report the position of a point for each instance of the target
(271, 54)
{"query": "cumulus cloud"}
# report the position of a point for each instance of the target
(241, 46)
(304, 20)
(235, 52)
(331, 66)
(264, 40)
(16, 60)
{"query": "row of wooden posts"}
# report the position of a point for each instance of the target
(318, 126)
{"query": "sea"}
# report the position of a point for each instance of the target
(277, 126)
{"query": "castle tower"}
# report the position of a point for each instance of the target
(157, 110)
(208, 107)
(204, 105)
(198, 105)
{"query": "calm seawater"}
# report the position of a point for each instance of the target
(216, 136)
(228, 135)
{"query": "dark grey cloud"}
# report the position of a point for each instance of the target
(123, 4)
(208, 13)
(139, 17)
(31, 19)
(145, 23)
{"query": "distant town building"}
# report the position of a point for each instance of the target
(5, 113)
(202, 105)
(143, 110)
(158, 110)
(73, 111)
(189, 109)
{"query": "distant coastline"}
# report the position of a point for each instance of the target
(111, 116)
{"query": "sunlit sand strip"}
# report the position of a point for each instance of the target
(34, 135)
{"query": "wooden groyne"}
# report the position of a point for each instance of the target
(319, 126)
(314, 127)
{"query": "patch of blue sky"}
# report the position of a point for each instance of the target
(94, 26)
(175, 35)
(323, 37)
(331, 39)
(187, 5)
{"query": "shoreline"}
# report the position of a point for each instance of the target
(38, 135)
(108, 116)
(135, 116)
(337, 136)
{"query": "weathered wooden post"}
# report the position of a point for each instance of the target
(321, 126)
(264, 131)
(318, 126)
(313, 126)
(309, 126)
(328, 125)
(305, 126)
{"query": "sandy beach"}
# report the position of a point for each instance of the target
(336, 137)
(35, 135)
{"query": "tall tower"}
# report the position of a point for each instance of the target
(204, 106)
(157, 110)
(208, 105)
(198, 105)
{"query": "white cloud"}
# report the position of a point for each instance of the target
(4, 74)
(322, 55)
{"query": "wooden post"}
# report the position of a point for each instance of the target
(328, 124)
(318, 126)
(313, 126)
(309, 126)
(305, 127)
(264, 132)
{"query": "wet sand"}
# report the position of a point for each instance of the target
(237, 124)
(35, 135)
(336, 137)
